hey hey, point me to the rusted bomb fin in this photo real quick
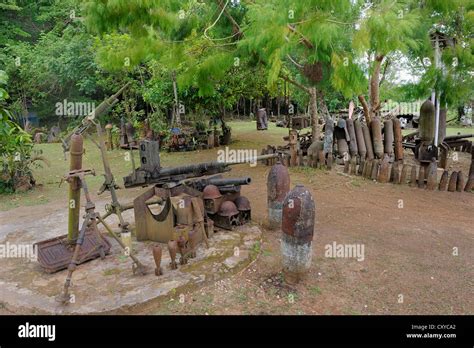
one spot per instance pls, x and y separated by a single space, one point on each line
453 180
278 185
443 183
297 233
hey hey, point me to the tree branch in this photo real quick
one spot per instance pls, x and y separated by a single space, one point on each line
293 82
304 40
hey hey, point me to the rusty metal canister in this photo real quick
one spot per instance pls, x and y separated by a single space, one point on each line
397 139
453 180
460 182
362 149
426 126
432 179
297 226
388 137
368 142
443 183
278 185
376 129
353 148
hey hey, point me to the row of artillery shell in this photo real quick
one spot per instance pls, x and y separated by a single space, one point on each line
424 177
369 143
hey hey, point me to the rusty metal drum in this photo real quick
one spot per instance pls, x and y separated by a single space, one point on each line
298 218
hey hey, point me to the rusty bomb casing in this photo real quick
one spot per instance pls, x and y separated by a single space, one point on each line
397 139
460 182
361 148
404 174
427 122
353 148
443 183
384 171
413 176
376 129
278 185
173 250
432 179
157 253
368 142
453 180
298 218
388 137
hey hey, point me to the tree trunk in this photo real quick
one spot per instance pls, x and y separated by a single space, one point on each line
313 111
374 87
176 116
365 106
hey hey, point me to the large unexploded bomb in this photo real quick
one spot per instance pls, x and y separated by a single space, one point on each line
375 169
426 128
443 183
421 176
376 128
353 148
453 180
278 185
362 149
388 137
368 142
341 134
173 250
397 139
76 151
395 174
432 179
297 233
460 182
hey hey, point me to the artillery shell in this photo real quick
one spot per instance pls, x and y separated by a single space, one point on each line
297 233
395 174
368 142
453 180
376 129
404 174
397 138
469 184
353 148
460 182
413 176
427 122
360 170
384 172
173 250
388 137
375 169
443 183
432 180
278 185
353 169
421 176
361 147
346 166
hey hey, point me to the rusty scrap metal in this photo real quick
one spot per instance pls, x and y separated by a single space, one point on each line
376 129
453 180
361 147
388 137
157 253
368 142
404 174
413 176
173 250
421 176
384 171
443 183
397 138
353 147
460 182
298 219
432 179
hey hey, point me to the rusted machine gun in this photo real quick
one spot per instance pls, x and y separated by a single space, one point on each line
192 200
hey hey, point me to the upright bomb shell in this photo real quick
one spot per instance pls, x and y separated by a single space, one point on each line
388 137
353 148
376 129
443 183
397 139
362 149
368 142
460 182
427 122
432 180
278 185
297 233
453 180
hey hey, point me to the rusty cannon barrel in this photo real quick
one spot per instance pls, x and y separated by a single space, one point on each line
76 151
388 137
230 181
376 129
278 185
297 233
353 148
